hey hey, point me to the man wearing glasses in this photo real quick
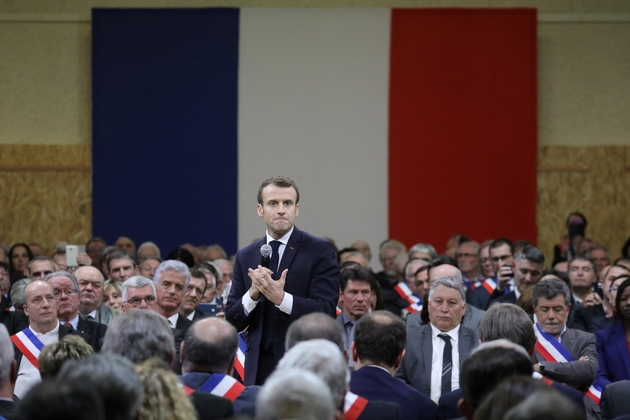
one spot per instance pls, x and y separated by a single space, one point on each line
138 293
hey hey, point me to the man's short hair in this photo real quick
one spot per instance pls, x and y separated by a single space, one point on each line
531 254
583 258
510 322
549 289
198 274
356 273
417 260
391 244
380 337
216 355
547 404
279 181
486 368
315 325
599 247
136 282
442 260
474 244
451 283
324 359
423 248
119 254
113 377
294 394
557 273
500 242
6 356
53 356
172 265
64 274
140 335
150 245
40 258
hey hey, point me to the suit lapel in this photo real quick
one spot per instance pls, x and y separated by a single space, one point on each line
463 347
290 250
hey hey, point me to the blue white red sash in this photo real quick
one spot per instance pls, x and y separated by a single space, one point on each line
337 311
490 284
472 285
29 345
415 303
353 406
239 365
222 386
553 351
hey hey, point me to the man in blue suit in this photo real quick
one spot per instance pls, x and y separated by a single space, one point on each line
302 277
378 349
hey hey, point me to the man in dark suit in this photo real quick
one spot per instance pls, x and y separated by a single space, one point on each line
171 281
378 348
8 374
527 269
208 355
303 277
67 292
196 288
435 351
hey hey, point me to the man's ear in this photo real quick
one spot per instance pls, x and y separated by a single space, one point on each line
13 372
181 353
465 409
230 371
25 310
399 359
259 210
354 352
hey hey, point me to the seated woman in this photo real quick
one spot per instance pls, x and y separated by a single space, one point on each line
613 343
112 294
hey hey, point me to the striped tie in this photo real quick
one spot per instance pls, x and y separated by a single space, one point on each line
447 363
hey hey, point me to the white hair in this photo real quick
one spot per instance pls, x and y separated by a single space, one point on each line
172 265
151 245
136 282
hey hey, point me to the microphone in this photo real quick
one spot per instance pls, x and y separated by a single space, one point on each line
265 252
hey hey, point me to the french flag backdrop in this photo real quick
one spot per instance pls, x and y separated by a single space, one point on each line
406 123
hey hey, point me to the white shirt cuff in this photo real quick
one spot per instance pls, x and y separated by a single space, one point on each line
286 305
249 304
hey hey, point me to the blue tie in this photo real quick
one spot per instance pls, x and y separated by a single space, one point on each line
275 259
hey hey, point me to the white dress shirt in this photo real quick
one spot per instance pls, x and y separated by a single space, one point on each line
436 361
28 375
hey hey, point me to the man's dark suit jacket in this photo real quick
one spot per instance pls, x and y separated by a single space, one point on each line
313 280
183 324
479 298
211 407
498 298
416 365
93 332
584 315
198 315
6 409
195 380
373 383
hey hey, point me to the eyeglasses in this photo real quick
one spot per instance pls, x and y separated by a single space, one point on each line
135 301
67 292
465 255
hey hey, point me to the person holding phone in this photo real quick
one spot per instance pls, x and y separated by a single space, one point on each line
570 243
526 270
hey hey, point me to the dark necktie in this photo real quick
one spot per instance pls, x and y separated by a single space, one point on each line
69 325
447 363
275 259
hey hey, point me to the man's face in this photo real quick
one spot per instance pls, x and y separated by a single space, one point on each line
146 252
227 271
66 296
467 259
137 299
410 278
526 273
611 275
422 283
41 307
486 264
601 259
40 269
147 268
279 209
446 308
500 256
36 250
91 285
126 244
5 282
363 248
581 273
211 291
61 261
193 294
552 314
170 290
389 256
94 250
121 269
356 299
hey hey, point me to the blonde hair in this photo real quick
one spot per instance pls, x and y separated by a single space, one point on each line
164 398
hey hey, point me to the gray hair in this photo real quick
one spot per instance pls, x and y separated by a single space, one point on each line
424 248
136 282
140 335
294 394
503 343
551 288
530 253
416 260
451 283
206 270
315 325
113 377
17 292
40 258
64 274
510 322
6 355
474 244
152 245
172 265
323 358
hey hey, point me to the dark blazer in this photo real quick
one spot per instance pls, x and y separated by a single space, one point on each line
614 359
94 332
584 314
471 318
479 298
195 380
15 321
577 372
615 401
509 298
211 407
6 409
313 280
373 383
198 315
416 365
183 324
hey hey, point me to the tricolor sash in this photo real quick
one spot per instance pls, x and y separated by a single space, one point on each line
353 406
222 386
553 351
489 284
29 345
337 311
415 303
239 365
471 285
188 390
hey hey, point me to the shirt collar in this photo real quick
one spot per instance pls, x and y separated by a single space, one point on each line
284 240
173 319
51 332
454 333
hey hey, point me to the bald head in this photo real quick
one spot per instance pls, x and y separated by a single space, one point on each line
90 282
40 306
210 346
444 270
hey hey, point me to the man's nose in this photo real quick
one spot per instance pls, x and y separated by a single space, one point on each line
143 303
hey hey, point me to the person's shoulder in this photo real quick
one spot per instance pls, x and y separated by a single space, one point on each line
584 335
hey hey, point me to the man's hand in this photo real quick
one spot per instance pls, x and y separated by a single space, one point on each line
272 289
84 259
254 291
505 274
592 299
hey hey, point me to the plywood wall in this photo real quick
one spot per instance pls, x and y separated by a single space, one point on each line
45 194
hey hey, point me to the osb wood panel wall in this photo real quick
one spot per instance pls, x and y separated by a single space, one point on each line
594 180
46 194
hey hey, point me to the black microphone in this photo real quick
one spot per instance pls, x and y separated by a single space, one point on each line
265 252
